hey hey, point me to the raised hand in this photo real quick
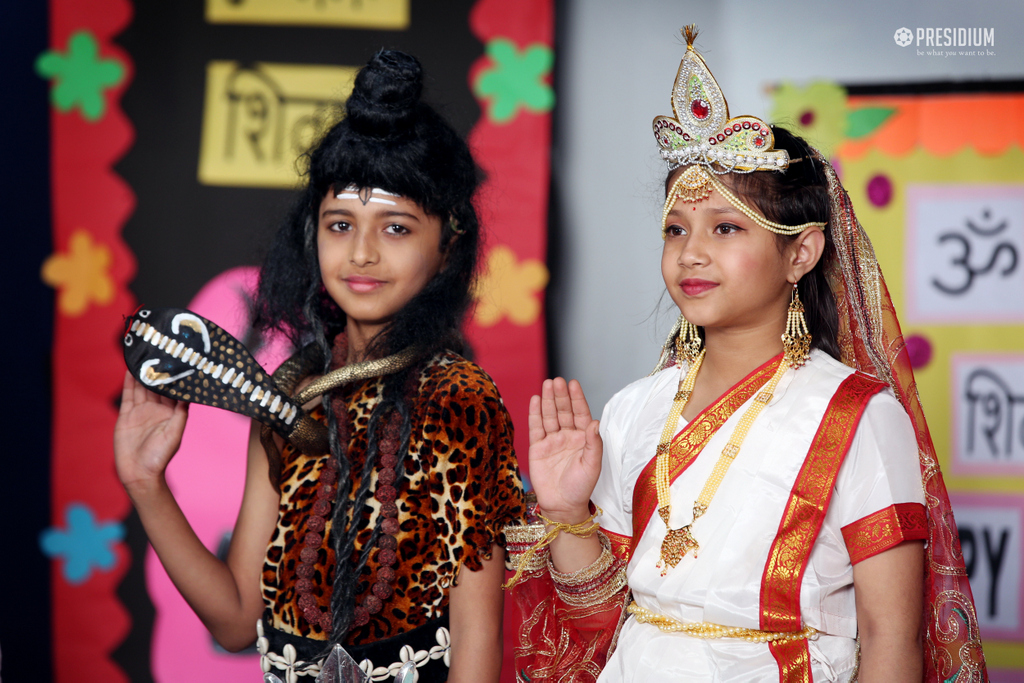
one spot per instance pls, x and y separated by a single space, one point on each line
565 450
147 434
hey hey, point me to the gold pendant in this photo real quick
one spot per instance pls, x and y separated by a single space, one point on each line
677 543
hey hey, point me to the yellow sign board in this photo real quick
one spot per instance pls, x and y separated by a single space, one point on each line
259 119
377 14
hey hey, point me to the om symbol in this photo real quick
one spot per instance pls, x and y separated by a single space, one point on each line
963 260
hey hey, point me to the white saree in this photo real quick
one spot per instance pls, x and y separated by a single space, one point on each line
724 585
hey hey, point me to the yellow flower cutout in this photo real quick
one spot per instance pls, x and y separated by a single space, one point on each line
81 274
509 288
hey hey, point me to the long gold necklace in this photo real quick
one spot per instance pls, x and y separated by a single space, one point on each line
678 542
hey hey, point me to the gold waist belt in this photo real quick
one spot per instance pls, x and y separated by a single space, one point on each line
705 629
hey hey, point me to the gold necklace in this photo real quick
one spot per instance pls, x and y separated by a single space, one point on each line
678 542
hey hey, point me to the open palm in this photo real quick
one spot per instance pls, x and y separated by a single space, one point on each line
565 450
148 432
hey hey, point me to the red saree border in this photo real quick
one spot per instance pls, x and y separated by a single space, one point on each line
690 441
885 529
794 660
803 516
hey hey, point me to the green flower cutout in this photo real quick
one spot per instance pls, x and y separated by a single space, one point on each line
80 76
516 80
818 113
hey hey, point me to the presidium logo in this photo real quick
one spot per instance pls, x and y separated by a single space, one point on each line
904 36
948 37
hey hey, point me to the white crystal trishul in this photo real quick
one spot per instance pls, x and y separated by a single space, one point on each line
339 667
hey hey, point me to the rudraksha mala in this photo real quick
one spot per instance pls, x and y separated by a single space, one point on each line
386 494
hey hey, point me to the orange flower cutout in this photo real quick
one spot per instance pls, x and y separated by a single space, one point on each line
81 274
509 288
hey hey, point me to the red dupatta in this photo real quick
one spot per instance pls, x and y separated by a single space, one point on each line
872 342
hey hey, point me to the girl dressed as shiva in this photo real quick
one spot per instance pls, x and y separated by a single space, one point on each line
767 504
378 526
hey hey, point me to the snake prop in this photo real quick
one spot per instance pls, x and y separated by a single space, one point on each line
179 354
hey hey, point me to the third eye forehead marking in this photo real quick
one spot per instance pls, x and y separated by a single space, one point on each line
367 194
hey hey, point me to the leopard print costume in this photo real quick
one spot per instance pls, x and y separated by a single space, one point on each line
461 487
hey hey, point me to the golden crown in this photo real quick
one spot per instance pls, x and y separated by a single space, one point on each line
702 132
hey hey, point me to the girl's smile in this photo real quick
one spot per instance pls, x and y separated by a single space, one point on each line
693 286
362 284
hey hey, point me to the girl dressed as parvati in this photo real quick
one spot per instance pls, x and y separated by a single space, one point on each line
766 505
387 540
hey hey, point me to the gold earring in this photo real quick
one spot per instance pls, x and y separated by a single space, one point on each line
688 341
796 341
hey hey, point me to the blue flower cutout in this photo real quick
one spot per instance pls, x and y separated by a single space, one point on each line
84 544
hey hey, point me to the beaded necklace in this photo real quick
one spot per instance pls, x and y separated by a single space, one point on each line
679 542
386 494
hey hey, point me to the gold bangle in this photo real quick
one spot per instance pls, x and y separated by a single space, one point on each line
588 573
519 539
594 584
583 529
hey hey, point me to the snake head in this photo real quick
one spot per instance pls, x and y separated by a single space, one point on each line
179 354
165 347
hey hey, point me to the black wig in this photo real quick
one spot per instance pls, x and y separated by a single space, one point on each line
389 139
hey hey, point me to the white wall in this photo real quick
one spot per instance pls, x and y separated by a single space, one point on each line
617 63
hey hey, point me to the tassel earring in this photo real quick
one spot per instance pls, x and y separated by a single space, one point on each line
688 341
796 341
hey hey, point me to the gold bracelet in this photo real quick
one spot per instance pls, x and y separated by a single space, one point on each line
584 529
519 538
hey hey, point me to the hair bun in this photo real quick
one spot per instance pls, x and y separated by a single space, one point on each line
385 94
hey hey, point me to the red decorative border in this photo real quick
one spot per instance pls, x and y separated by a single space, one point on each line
885 529
794 660
513 205
513 208
87 365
